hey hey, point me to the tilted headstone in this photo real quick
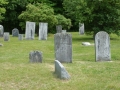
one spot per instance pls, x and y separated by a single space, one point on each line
20 37
63 47
102 46
60 71
43 29
15 32
6 36
30 30
81 28
59 28
35 56
1 31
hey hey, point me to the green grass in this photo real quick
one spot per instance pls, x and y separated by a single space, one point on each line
16 73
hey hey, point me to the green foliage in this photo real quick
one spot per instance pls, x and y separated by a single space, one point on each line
2 9
39 13
66 23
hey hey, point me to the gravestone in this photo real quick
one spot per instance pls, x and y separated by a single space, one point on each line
35 56
63 31
60 71
63 47
20 37
6 36
30 30
81 28
15 32
1 31
43 28
59 28
102 46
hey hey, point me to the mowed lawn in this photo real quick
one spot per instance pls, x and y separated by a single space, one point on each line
16 73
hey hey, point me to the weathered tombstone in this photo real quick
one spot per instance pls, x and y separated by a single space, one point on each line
35 56
63 31
15 32
6 36
63 47
81 28
20 37
102 46
59 28
1 31
30 30
60 71
43 28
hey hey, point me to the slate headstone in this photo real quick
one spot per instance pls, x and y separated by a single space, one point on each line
102 46
6 36
1 31
59 28
15 32
63 47
43 29
30 30
35 56
81 28
60 71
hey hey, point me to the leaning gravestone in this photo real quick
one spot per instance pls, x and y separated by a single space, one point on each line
30 30
1 31
81 28
60 71
35 56
43 28
63 47
15 32
59 28
102 46
6 36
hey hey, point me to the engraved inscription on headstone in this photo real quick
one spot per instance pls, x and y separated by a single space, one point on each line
6 36
30 30
1 31
63 47
59 28
43 28
35 56
102 46
81 28
15 32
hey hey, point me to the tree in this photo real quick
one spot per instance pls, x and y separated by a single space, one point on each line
39 12
2 9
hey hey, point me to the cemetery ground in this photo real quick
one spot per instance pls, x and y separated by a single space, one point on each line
17 73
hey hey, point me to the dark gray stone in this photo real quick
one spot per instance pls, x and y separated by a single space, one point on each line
30 30
1 31
20 37
63 47
60 71
59 28
43 28
35 56
15 32
102 46
6 36
81 28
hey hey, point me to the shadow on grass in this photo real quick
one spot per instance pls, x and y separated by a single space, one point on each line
82 39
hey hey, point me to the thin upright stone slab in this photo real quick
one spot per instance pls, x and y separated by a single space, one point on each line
30 30
59 28
63 47
15 32
43 29
20 37
35 57
60 71
6 36
81 28
1 31
102 46
63 31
